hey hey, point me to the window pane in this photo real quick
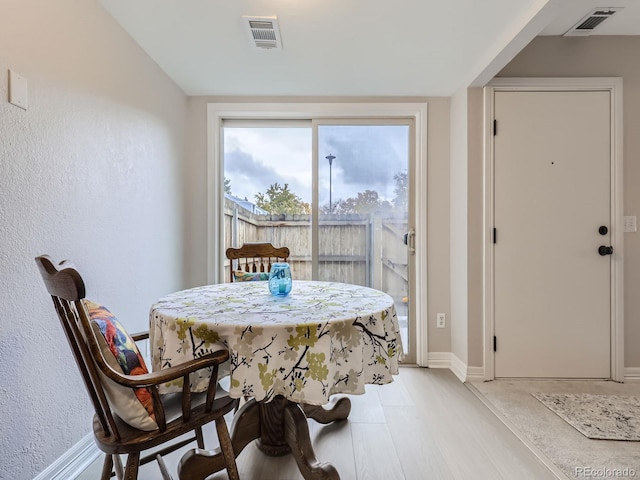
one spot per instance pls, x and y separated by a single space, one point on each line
363 201
268 182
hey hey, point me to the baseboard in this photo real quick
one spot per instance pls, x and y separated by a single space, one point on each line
458 367
73 462
632 374
448 360
475 374
439 360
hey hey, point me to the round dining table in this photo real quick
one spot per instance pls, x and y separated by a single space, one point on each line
288 355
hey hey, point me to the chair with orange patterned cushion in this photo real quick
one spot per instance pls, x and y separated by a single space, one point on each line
254 260
131 416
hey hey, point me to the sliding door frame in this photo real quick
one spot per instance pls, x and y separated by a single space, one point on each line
417 112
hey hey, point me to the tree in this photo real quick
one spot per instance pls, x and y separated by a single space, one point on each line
401 191
365 202
279 199
227 186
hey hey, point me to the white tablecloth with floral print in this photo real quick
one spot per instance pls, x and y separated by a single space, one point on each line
323 338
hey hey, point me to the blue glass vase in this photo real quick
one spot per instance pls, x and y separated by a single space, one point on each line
280 282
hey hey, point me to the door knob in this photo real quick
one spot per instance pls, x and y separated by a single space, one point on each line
603 250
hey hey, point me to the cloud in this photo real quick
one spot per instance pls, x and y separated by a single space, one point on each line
249 176
367 157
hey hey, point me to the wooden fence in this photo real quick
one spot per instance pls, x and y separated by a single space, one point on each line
360 249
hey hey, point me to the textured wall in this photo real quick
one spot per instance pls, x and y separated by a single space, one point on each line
92 172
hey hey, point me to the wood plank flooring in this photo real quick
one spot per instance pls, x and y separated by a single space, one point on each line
424 425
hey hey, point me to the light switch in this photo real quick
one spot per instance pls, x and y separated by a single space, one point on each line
17 90
630 224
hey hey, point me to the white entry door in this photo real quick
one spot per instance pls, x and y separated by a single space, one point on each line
552 290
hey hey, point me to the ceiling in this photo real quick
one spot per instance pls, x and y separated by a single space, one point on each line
349 47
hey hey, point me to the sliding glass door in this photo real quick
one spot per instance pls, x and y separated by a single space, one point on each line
363 208
335 192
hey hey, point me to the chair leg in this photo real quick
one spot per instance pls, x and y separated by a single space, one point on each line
107 467
227 448
131 470
199 437
163 468
117 465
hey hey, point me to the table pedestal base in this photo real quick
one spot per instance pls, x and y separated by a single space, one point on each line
280 427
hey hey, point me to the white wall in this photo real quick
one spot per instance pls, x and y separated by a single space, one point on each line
439 223
475 225
458 211
91 172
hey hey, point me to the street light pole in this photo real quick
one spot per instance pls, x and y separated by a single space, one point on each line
330 158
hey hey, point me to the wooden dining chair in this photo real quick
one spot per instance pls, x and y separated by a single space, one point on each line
131 416
254 258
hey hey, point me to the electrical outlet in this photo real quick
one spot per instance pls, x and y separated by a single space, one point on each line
440 320
630 224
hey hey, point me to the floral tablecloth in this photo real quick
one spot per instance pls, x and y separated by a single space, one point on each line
321 339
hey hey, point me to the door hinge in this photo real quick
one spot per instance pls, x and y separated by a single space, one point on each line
495 235
495 127
495 343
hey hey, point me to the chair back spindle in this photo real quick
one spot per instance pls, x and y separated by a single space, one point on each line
67 290
258 257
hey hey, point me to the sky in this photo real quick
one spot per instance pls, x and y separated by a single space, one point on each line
366 158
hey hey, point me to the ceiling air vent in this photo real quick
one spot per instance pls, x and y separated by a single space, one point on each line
588 24
263 32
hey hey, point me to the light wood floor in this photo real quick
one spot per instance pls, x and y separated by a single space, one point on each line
425 425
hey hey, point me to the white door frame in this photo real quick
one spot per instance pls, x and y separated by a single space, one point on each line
614 86
217 112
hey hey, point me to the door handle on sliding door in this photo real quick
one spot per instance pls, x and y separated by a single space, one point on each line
409 239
